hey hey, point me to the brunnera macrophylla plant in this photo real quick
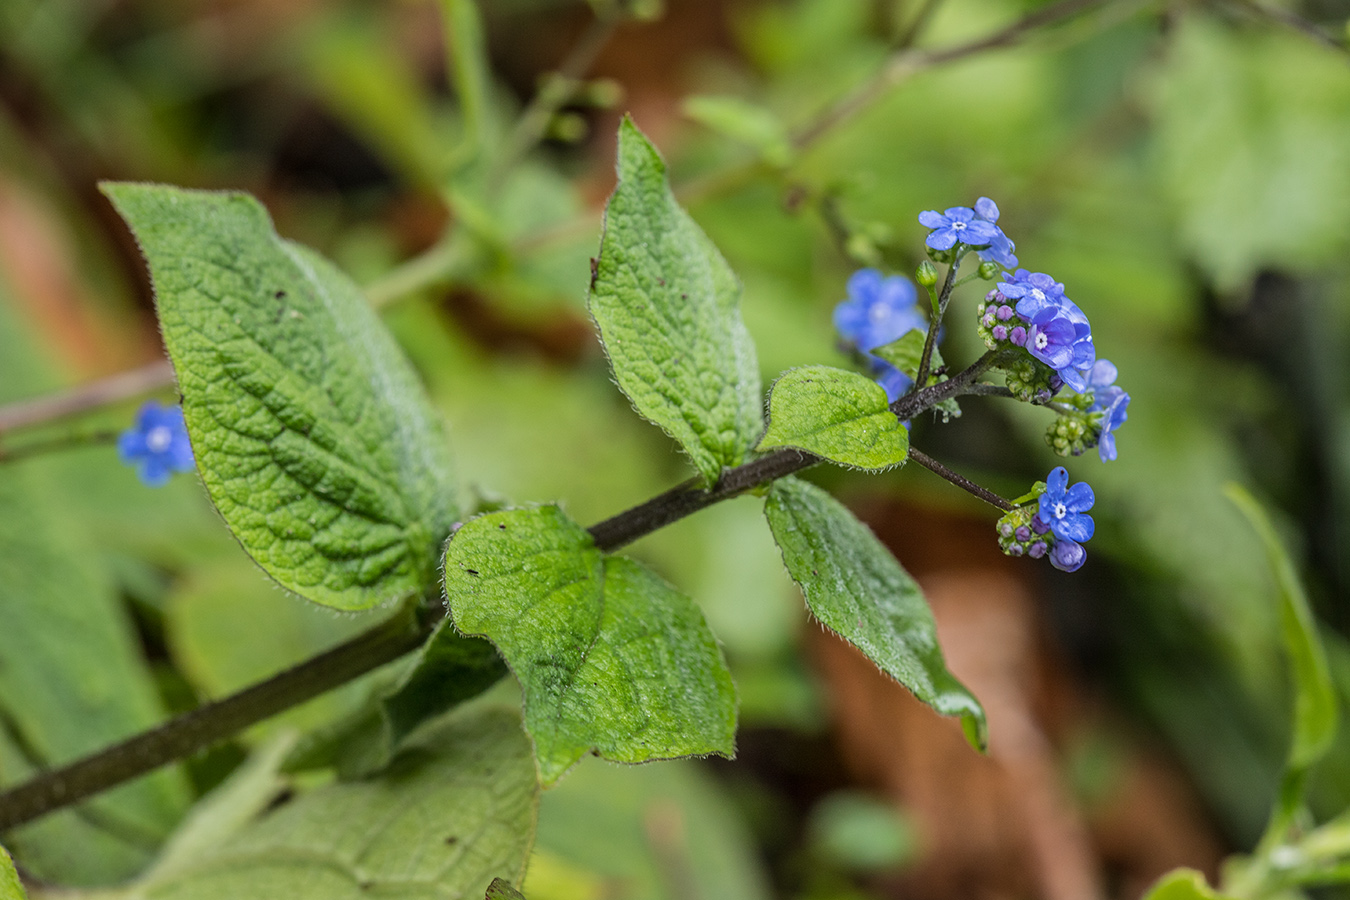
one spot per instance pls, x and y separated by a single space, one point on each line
325 459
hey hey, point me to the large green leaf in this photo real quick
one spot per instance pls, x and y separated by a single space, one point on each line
856 588
668 309
311 431
839 415
456 809
608 655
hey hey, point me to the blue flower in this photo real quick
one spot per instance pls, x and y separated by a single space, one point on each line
891 379
1051 338
1000 249
1065 508
878 310
1067 556
1113 402
1033 291
1102 376
157 444
956 225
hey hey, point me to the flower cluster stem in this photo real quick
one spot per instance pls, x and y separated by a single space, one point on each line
925 361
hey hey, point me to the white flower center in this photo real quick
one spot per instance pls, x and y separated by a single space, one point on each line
958 226
878 313
1042 341
1037 294
158 439
1060 511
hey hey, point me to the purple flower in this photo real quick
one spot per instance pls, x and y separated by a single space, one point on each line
1065 508
157 444
1067 556
1051 338
1000 249
878 310
956 225
891 379
1112 402
1033 291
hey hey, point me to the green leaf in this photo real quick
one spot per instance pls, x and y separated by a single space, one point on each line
10 886
311 431
667 306
608 655
839 415
906 352
1182 884
448 670
855 587
745 122
454 811
1315 712
72 676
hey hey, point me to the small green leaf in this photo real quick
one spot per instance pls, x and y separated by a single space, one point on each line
906 352
667 305
454 811
10 886
1315 712
855 587
839 415
311 431
1182 884
608 655
745 122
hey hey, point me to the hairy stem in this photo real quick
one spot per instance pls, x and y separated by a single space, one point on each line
959 480
193 731
930 340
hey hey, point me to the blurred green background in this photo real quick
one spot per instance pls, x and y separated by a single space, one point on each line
1183 168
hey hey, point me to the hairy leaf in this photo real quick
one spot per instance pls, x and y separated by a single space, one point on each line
10 886
668 310
500 889
311 431
857 589
608 655
839 415
456 809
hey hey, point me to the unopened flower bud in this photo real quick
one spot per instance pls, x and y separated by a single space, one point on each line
989 270
927 274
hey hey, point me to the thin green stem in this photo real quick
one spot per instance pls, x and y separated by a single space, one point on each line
930 340
60 442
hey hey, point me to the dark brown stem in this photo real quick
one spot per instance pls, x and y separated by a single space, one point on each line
930 340
113 389
960 481
204 726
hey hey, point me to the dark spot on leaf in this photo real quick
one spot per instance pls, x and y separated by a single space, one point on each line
280 295
814 572
472 571
661 281
684 296
452 840
501 526
595 270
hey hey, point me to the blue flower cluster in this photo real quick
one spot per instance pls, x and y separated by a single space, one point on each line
878 311
972 227
157 444
1057 526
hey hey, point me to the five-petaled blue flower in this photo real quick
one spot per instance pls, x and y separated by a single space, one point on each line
879 310
1000 249
957 225
157 444
1033 291
1065 508
1113 402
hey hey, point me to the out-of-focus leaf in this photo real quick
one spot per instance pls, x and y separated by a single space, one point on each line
1315 711
608 655
861 833
1254 147
310 429
745 122
455 810
836 414
856 588
1182 884
667 306
72 679
906 353
661 832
